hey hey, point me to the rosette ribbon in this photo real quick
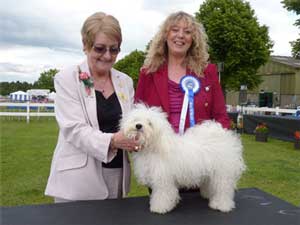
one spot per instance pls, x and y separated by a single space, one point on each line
190 85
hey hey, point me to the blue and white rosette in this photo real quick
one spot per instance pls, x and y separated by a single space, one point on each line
190 85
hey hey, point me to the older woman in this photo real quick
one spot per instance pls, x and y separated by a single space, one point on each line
178 49
90 160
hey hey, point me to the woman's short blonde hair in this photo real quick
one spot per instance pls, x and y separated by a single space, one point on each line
100 22
197 56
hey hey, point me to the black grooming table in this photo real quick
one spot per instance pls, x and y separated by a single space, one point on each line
254 207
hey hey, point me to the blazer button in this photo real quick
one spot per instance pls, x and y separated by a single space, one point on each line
205 104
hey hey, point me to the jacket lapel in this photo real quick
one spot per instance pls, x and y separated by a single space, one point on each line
161 84
120 89
89 99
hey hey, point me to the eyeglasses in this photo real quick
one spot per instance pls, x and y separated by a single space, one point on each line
102 49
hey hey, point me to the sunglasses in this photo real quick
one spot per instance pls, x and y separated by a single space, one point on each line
102 49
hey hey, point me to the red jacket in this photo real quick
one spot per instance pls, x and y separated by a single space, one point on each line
209 103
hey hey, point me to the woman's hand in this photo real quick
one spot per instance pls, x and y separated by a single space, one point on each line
118 140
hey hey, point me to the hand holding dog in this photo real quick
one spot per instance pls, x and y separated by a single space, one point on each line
120 141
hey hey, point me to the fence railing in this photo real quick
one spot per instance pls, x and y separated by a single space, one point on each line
29 109
26 109
260 110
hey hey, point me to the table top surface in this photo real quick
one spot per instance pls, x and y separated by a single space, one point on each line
253 206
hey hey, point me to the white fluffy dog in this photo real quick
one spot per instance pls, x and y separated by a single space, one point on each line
206 156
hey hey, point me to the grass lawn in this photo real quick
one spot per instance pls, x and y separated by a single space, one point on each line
273 167
26 153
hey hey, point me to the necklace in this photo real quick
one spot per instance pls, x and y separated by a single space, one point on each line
101 84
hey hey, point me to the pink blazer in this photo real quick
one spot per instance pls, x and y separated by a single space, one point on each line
152 89
76 169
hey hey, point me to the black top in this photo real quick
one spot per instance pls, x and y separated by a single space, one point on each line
109 113
253 207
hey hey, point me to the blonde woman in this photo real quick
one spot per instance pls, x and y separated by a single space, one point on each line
90 160
178 49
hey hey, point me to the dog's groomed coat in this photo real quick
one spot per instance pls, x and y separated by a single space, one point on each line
206 156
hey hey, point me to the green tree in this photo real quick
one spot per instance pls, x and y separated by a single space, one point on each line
131 64
4 88
296 48
237 39
294 5
45 80
8 87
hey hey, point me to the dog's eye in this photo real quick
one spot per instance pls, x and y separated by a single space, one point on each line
150 124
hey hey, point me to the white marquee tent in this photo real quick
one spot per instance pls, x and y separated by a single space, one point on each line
38 92
51 96
19 96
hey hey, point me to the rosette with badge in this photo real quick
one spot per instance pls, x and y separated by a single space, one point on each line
190 85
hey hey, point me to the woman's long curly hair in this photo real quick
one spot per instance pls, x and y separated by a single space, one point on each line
197 56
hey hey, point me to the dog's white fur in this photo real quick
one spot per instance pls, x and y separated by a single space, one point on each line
206 156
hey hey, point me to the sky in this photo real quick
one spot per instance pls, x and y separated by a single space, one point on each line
38 35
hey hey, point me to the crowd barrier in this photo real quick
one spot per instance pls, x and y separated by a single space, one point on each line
26 109
30 109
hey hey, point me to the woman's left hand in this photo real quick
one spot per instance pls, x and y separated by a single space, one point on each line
120 141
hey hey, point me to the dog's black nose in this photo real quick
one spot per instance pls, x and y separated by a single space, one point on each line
138 126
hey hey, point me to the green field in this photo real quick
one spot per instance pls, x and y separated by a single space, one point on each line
26 153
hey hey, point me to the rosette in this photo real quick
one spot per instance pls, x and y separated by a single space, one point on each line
190 85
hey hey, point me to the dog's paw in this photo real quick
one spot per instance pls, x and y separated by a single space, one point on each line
223 206
163 203
204 193
161 209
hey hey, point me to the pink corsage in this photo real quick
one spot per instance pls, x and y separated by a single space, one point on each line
87 81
